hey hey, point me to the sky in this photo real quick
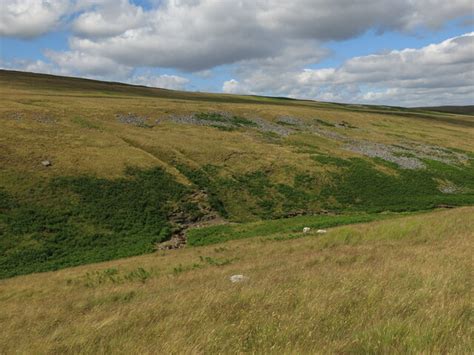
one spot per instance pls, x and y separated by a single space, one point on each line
402 53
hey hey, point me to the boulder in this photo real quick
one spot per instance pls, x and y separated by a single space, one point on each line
238 278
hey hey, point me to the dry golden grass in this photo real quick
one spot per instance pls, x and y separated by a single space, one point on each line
394 286
87 139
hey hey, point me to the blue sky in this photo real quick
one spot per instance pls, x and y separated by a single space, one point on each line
316 49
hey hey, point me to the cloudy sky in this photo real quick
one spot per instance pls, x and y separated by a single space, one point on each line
404 52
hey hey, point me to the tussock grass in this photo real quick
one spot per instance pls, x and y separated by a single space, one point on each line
392 286
244 174
223 233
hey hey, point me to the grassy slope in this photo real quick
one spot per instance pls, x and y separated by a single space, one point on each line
393 286
78 210
463 110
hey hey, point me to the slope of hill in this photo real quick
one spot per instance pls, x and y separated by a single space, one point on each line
93 171
462 110
393 286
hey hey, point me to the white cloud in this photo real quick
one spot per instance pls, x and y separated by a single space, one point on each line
36 66
110 19
78 63
196 35
188 35
73 66
441 73
232 86
173 82
30 18
269 42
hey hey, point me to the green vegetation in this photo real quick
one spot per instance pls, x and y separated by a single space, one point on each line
114 190
355 185
201 178
394 286
323 122
219 117
84 123
328 160
361 187
223 233
263 198
87 219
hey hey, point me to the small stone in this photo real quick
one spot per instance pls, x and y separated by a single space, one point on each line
238 278
46 163
306 229
321 231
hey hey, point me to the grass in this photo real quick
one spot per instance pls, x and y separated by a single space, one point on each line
362 187
115 189
84 123
399 285
95 220
223 233
353 185
218 117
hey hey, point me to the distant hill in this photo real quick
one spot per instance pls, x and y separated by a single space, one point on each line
93 171
461 110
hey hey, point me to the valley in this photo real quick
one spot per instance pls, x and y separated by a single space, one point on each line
129 167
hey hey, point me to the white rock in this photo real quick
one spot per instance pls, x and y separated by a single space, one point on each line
306 229
321 231
238 278
46 163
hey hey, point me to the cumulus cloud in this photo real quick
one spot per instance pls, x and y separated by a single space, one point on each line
77 63
268 42
439 71
232 86
31 18
187 35
165 81
275 72
34 66
195 35
173 82
442 73
110 19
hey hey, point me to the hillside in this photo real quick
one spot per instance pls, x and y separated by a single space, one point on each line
463 110
93 171
402 285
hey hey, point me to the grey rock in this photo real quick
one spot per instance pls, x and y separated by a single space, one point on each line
238 278
132 119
